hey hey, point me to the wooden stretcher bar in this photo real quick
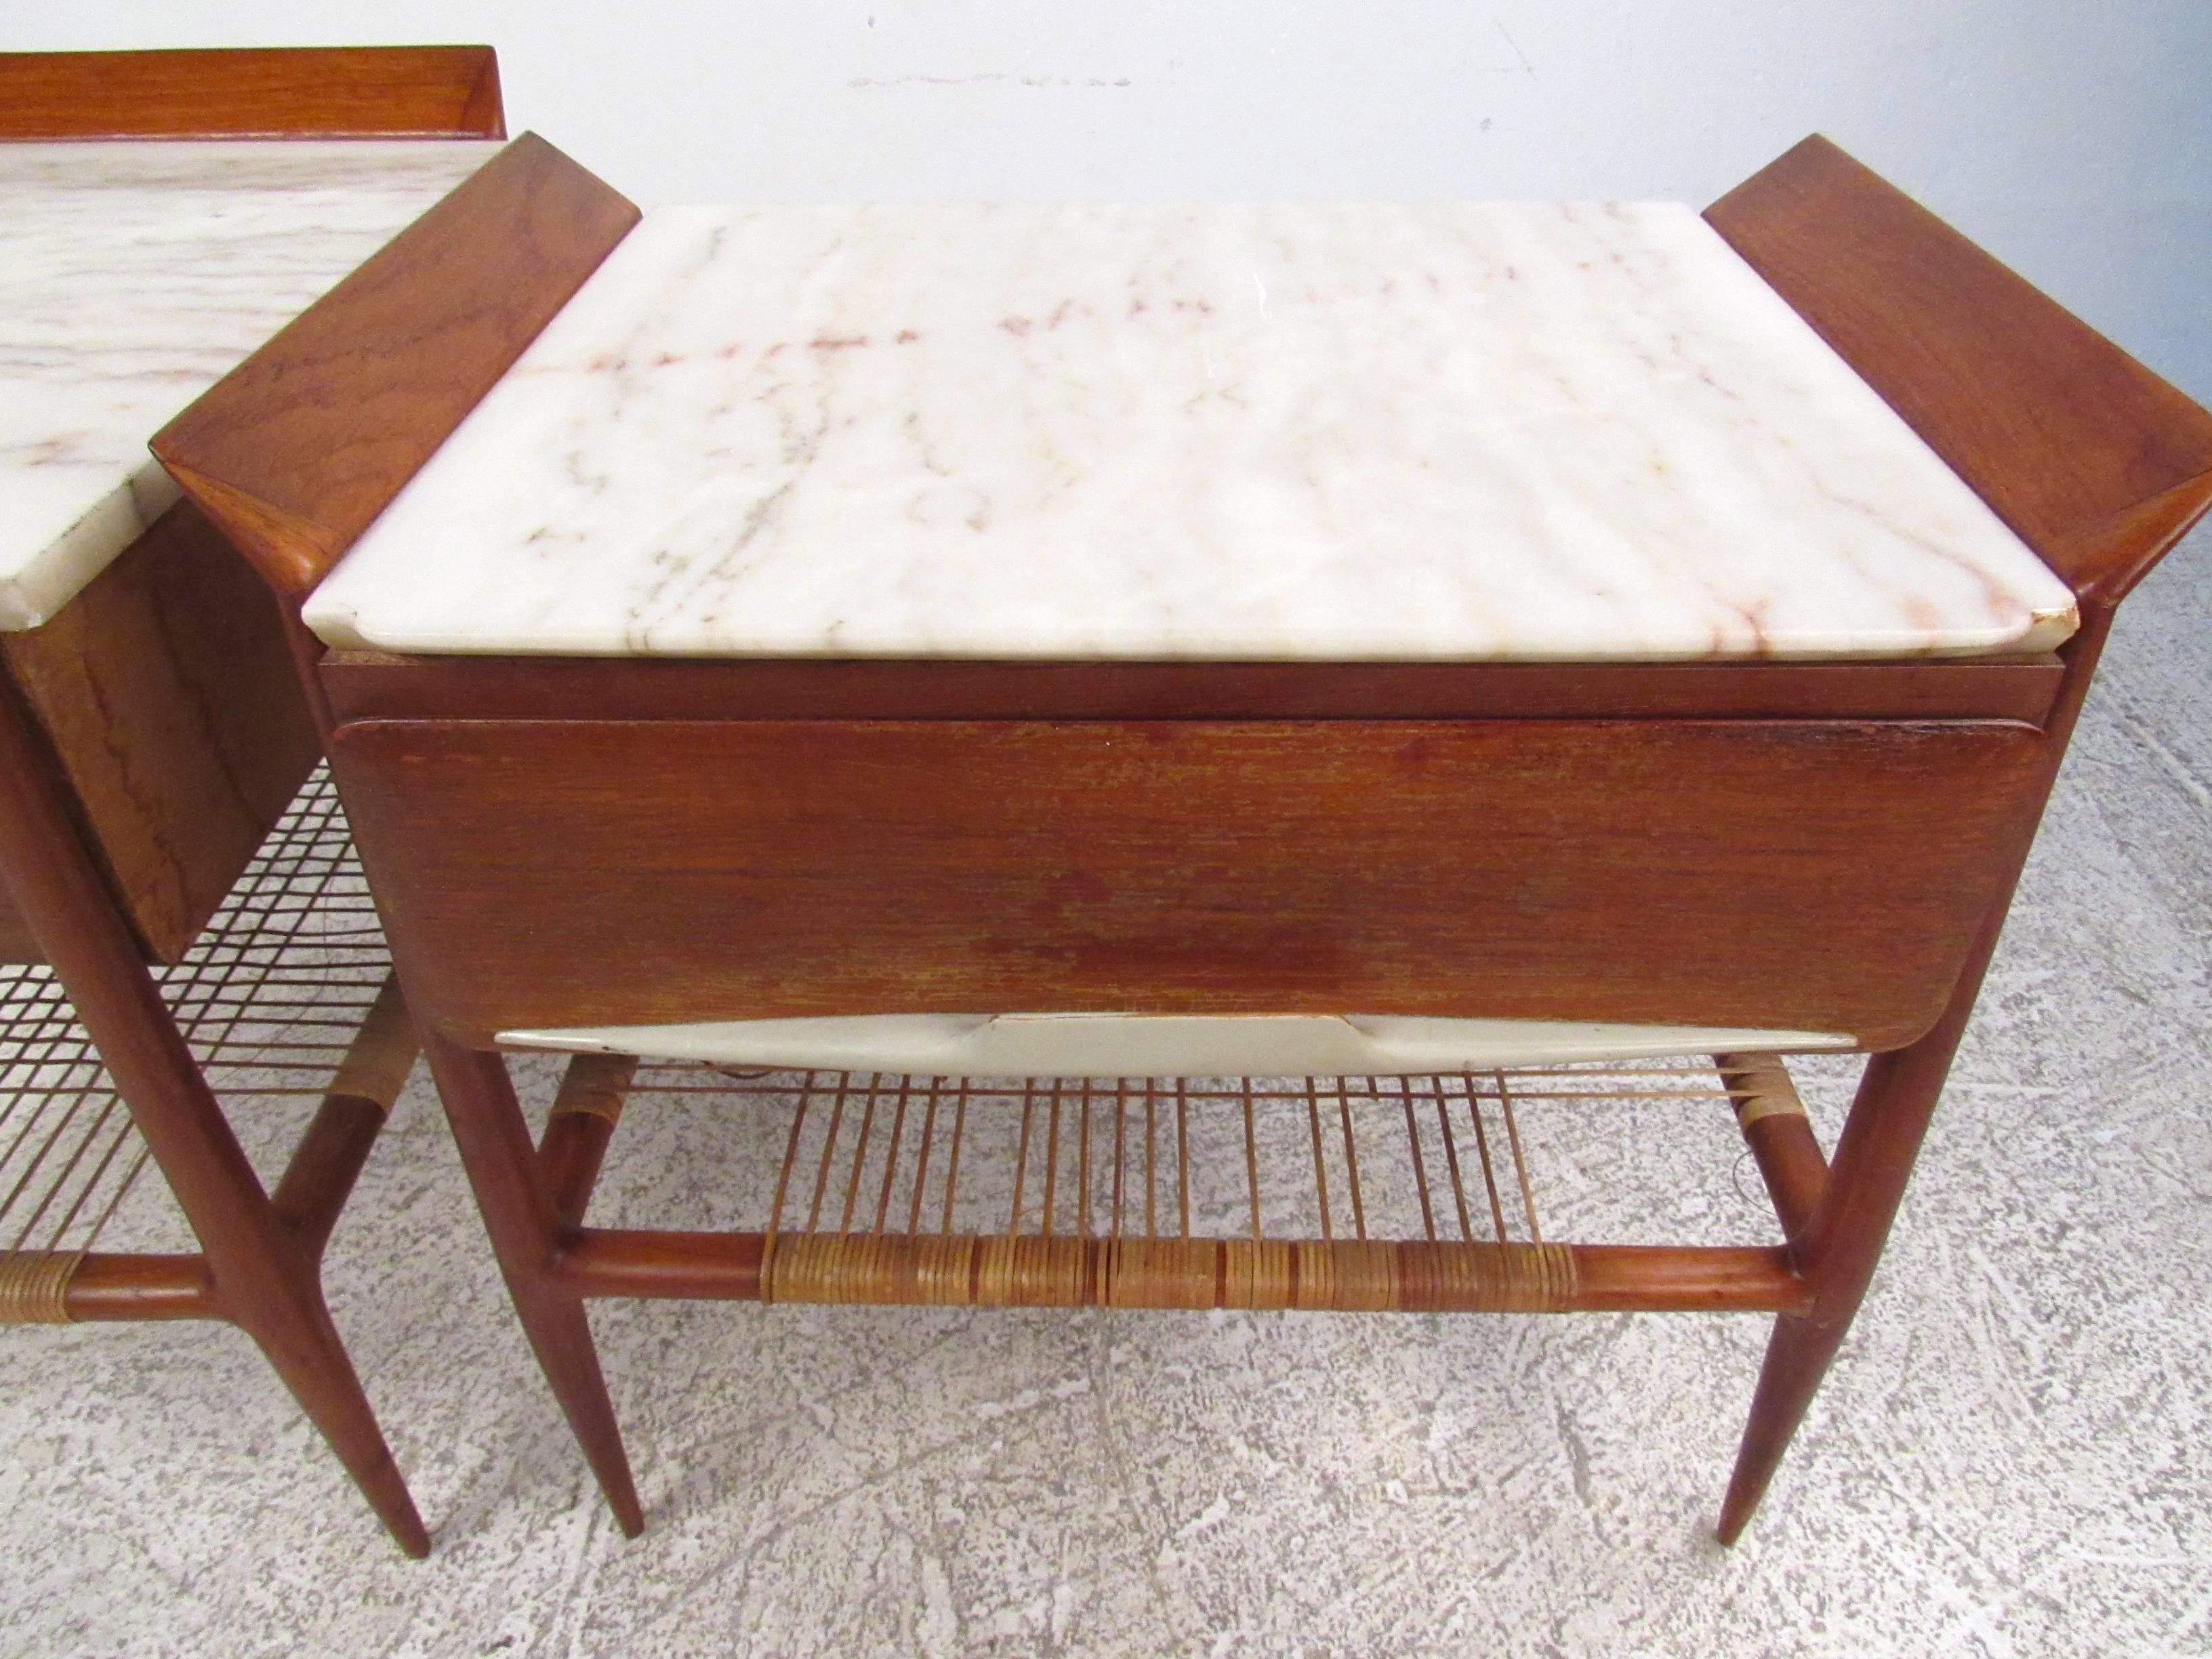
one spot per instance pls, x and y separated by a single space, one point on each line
1099 1210
289 986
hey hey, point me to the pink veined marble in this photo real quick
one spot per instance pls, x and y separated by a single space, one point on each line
1469 431
135 276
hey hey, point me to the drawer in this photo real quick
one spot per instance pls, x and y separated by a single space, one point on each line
1814 875
168 696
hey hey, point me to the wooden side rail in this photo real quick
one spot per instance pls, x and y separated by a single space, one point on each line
133 1287
580 1126
66 1287
282 92
1409 1276
379 686
1775 1128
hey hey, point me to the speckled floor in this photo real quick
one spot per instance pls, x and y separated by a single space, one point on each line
2010 1458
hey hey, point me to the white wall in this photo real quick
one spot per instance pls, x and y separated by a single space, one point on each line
2073 140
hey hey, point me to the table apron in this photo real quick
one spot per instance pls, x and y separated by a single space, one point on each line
1814 875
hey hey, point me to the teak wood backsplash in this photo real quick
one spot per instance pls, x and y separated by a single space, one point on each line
284 92
301 446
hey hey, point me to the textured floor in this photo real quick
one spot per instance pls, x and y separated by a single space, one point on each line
2010 1459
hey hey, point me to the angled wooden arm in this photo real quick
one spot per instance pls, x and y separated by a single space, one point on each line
295 451
288 92
2095 462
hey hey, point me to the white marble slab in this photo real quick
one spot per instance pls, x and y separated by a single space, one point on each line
134 275
1469 431
1159 1045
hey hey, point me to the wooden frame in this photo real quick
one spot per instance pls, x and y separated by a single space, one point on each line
1191 867
165 693
276 92
496 800
150 735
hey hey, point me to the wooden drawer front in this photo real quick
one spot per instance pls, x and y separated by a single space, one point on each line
16 943
168 696
1813 875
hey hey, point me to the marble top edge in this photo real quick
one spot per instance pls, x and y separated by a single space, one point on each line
341 631
129 163
133 275
1263 432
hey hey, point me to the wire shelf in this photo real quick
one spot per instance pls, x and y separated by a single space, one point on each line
1327 1192
268 998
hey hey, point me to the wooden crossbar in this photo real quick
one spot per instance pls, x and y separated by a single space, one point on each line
1780 1136
287 992
1177 1193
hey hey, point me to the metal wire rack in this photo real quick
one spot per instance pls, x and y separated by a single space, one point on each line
268 998
1327 1192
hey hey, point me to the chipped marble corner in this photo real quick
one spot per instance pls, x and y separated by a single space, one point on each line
34 595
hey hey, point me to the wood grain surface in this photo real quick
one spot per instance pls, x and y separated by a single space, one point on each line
168 695
284 92
17 942
1813 875
300 446
2096 463
365 685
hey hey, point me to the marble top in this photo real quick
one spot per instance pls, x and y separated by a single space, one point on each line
1471 431
133 276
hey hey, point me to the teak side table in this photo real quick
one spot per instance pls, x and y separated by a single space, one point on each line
598 849
152 733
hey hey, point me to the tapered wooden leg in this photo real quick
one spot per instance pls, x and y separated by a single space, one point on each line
305 1347
1873 1161
1874 1156
1797 1356
264 1274
518 1211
